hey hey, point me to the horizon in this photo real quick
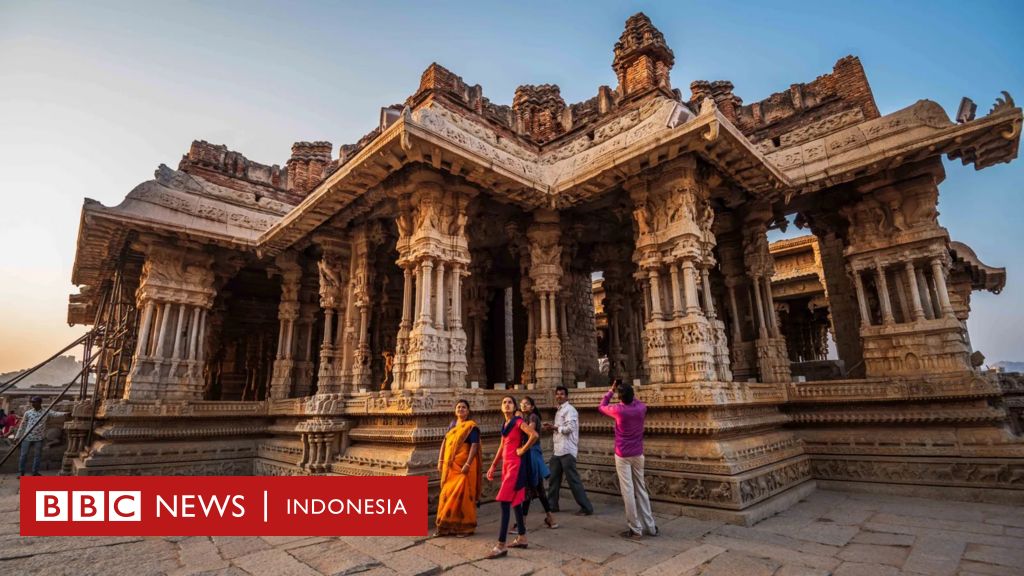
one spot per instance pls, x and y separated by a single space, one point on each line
99 95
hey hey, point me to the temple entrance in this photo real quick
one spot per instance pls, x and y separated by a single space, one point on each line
605 305
243 337
495 306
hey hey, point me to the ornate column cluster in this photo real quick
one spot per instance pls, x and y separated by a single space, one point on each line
673 215
545 274
175 295
898 259
283 373
434 255
772 356
356 341
334 269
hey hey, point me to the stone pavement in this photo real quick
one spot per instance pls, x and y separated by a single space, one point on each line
838 533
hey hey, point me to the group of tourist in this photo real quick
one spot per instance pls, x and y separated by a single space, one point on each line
523 469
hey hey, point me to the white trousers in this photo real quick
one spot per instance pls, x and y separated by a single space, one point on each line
634 494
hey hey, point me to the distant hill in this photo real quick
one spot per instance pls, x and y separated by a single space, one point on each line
59 372
1008 366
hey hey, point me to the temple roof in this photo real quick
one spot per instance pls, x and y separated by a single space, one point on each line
577 170
540 152
173 203
983 277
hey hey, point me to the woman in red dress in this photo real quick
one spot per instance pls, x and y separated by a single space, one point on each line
515 474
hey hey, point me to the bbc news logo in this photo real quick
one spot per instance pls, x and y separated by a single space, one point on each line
89 506
223 506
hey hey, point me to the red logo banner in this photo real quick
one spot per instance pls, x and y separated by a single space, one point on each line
223 506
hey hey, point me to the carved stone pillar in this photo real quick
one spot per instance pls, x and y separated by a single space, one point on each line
678 308
709 303
283 373
926 296
734 317
915 294
440 298
655 291
939 276
844 314
545 273
862 303
742 352
402 341
175 282
334 270
772 355
883 294
690 288
432 235
673 216
356 351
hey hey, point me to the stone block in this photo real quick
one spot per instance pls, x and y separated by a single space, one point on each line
779 553
890 555
996 555
685 561
828 533
935 556
200 554
335 557
273 563
234 546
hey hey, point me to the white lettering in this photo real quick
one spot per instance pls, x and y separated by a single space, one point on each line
346 506
172 509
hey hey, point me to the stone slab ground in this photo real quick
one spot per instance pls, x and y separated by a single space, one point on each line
837 533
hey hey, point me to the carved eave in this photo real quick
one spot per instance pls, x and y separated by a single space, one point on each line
915 133
709 135
983 277
418 137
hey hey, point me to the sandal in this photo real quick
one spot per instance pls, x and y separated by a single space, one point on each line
551 524
517 544
498 553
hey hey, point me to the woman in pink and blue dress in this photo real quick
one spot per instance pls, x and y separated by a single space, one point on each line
516 439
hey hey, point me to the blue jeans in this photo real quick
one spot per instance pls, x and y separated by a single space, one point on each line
26 447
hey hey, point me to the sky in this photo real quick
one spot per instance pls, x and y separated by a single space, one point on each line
95 95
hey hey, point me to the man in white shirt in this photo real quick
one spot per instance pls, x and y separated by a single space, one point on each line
566 435
33 428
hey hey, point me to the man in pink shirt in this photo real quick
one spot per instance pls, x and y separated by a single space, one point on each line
629 415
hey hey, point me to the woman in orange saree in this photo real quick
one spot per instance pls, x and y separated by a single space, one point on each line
459 466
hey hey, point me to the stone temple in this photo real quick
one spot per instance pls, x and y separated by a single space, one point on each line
323 317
